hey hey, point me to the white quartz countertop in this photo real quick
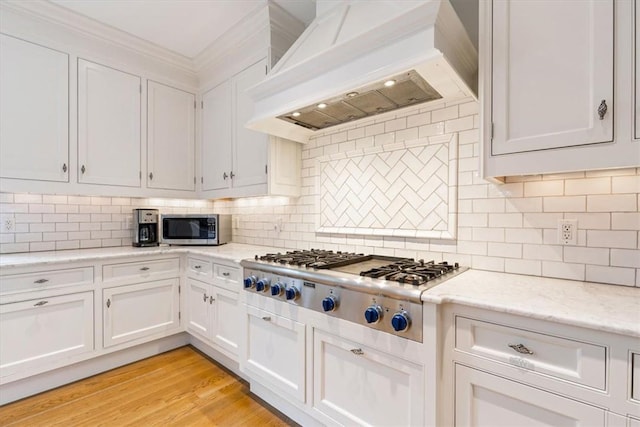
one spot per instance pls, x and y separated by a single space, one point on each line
608 308
231 251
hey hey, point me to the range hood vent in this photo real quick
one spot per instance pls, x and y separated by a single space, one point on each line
337 71
393 93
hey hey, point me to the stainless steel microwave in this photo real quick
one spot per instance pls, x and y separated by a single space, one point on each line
195 229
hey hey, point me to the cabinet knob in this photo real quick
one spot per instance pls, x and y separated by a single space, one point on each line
40 304
211 300
602 109
224 175
108 303
83 169
357 351
41 281
144 269
232 175
64 167
204 298
151 175
520 348
267 318
197 267
226 274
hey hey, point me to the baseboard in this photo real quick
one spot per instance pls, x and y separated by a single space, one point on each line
216 355
48 380
290 410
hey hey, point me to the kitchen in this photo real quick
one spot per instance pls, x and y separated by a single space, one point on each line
489 226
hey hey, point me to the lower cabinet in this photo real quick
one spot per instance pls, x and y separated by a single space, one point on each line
357 385
275 352
484 399
214 314
39 332
140 310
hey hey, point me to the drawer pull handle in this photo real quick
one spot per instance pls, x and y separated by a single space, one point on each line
211 300
602 109
267 318
226 274
40 281
357 351
204 298
520 348
108 303
197 267
40 304
144 269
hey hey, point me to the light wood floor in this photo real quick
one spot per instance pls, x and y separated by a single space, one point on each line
181 387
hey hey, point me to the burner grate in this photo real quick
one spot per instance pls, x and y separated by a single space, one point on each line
412 272
315 258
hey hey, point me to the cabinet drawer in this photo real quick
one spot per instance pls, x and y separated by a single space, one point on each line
199 269
227 274
635 376
140 269
46 279
562 358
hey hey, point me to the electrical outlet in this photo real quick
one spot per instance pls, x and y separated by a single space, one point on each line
8 224
568 231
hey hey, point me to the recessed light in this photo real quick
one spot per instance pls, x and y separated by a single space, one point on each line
296 114
322 105
389 83
352 94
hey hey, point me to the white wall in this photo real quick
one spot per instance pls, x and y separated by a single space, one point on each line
509 227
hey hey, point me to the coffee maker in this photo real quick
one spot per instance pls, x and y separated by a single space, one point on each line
145 227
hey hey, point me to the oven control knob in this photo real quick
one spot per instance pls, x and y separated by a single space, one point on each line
292 293
373 314
330 303
262 285
249 282
400 321
276 289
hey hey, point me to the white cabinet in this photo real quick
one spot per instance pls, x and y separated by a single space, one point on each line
170 138
358 385
555 97
237 161
217 138
39 332
484 399
275 353
635 376
214 314
636 69
142 310
108 126
34 111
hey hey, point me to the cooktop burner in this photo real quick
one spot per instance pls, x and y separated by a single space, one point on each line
410 271
315 258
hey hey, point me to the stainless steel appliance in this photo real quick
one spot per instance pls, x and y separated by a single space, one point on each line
145 227
380 292
195 229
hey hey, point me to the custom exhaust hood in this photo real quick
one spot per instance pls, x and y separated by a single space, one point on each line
362 58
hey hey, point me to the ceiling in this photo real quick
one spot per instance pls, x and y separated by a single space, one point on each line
186 27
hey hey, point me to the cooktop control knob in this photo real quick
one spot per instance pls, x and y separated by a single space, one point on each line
249 282
373 314
276 289
330 303
400 321
262 285
292 293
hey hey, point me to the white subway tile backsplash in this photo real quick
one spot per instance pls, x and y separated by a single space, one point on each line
565 204
544 188
444 114
625 258
596 256
542 252
505 220
586 186
505 250
625 184
612 239
523 266
563 270
625 221
40 208
612 203
487 263
614 275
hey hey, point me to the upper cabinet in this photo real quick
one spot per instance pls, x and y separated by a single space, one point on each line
237 161
170 138
34 111
108 125
548 92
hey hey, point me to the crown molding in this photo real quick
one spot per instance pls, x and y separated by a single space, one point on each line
51 13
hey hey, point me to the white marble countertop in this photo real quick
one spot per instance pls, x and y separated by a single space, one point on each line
608 308
231 251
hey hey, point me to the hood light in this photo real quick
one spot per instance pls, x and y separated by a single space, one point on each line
352 94
322 105
296 114
389 83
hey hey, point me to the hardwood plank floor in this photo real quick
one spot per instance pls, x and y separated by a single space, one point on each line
181 387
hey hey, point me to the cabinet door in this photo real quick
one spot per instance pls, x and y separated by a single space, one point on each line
275 352
357 385
217 138
34 111
140 310
250 147
637 67
199 300
108 126
552 69
483 399
170 138
39 332
227 320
